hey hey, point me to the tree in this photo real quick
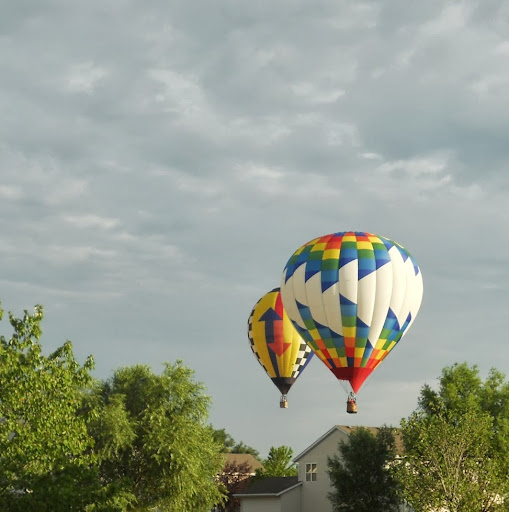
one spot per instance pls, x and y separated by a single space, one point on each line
278 463
361 473
224 439
457 444
230 445
240 447
46 460
152 440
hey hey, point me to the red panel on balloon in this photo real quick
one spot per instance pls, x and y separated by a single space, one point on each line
355 376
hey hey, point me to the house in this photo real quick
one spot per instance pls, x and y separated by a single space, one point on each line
308 491
313 469
273 494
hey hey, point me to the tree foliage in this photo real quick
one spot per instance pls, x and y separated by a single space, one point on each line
152 440
278 463
240 447
46 459
229 445
361 473
457 444
137 441
224 439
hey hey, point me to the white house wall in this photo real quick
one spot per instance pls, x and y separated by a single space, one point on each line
314 494
261 504
291 500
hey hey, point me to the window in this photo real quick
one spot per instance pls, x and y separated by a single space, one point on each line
311 472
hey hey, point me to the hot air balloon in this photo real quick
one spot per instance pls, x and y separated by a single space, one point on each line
279 348
352 296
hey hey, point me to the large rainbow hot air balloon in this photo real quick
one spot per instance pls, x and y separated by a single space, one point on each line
352 296
279 348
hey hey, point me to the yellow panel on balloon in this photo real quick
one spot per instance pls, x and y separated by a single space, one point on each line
331 254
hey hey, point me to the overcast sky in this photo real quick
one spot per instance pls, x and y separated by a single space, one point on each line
161 160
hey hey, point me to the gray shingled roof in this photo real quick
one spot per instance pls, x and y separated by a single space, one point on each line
273 485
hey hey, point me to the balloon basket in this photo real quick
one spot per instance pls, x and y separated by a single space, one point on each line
351 407
283 404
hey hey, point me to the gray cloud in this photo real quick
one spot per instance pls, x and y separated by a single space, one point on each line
162 161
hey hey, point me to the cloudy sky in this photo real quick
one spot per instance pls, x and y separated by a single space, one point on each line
161 160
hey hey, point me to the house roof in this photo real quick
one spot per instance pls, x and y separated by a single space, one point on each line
243 458
318 441
398 438
348 429
271 486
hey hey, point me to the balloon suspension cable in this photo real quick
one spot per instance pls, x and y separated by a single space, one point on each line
283 404
347 387
351 403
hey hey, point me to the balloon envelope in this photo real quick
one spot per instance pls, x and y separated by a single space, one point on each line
277 345
352 296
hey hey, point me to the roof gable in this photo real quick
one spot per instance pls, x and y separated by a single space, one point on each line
348 429
316 443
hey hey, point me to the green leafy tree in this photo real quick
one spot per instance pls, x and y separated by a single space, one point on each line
457 444
224 439
110 427
278 463
46 459
152 440
361 474
240 447
230 445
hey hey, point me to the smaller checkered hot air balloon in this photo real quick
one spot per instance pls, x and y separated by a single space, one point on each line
280 350
352 296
